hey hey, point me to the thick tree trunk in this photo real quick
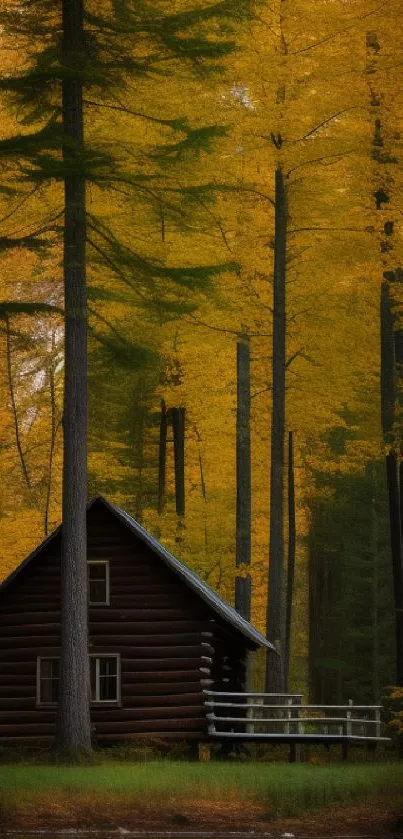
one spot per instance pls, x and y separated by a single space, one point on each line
243 479
291 558
275 618
74 727
397 564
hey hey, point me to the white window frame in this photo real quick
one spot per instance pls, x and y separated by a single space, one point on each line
97 700
39 702
107 580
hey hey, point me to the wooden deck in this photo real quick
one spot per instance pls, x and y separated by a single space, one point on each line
285 718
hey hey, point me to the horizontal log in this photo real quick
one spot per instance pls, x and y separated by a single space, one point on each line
161 688
21 619
198 736
149 601
17 690
28 739
23 600
117 623
185 712
8 609
11 702
18 680
37 613
27 654
27 728
153 587
29 638
150 726
138 665
18 641
24 668
101 620
28 716
164 701
121 635
34 587
151 653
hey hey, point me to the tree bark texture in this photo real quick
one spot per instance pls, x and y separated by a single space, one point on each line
74 727
275 617
397 564
243 478
291 557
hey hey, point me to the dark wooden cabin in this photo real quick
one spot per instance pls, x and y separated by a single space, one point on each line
159 635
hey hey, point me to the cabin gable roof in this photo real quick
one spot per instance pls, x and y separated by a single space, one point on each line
189 577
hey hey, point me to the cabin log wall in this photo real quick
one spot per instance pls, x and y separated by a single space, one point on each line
160 628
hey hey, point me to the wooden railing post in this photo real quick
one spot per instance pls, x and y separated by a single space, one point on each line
348 719
288 716
377 722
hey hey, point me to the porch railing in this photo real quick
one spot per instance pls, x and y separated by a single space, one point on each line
285 716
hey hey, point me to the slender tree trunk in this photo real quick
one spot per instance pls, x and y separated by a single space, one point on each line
375 595
74 726
141 442
397 564
291 558
388 387
162 457
275 618
14 407
178 426
53 434
243 479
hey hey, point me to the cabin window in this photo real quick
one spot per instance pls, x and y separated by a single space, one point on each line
98 583
105 678
47 681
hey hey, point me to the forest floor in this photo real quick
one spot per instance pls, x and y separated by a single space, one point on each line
379 817
185 797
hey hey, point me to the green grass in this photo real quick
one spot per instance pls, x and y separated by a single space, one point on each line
286 790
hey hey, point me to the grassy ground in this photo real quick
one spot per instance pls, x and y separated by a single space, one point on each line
30 794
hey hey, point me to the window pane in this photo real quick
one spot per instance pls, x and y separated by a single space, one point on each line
93 676
49 680
97 591
107 678
97 577
107 688
97 571
107 666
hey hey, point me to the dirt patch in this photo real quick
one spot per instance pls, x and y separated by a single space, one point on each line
381 817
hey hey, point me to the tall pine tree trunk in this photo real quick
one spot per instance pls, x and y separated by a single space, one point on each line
395 530
74 727
291 558
243 479
275 618
383 157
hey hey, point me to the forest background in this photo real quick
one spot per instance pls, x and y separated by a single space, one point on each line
313 89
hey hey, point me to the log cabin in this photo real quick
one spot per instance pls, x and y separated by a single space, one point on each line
159 636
